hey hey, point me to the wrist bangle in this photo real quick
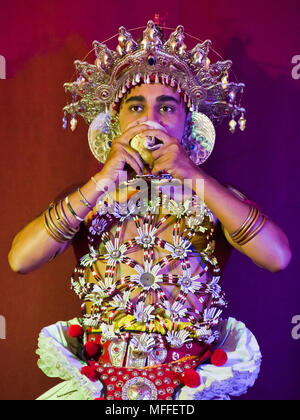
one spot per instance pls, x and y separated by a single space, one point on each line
61 233
65 225
50 233
84 200
236 234
72 210
250 225
98 185
63 213
256 231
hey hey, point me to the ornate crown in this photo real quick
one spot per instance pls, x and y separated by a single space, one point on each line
204 86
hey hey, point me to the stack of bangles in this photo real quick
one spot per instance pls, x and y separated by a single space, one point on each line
251 226
57 223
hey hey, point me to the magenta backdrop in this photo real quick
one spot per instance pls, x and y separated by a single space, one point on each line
40 40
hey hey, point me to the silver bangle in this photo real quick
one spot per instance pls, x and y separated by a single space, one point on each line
63 234
72 210
98 185
84 200
62 219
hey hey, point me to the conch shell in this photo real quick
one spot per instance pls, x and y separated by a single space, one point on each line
144 145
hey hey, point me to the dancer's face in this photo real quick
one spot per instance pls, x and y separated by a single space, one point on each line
154 102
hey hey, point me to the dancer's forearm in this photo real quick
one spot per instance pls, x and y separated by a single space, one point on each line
32 247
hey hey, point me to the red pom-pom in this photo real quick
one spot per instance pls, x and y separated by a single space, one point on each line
91 349
89 373
219 357
191 378
75 331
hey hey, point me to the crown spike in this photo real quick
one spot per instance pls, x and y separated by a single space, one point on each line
105 56
151 37
126 42
175 42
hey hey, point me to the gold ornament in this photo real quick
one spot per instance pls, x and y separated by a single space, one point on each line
102 85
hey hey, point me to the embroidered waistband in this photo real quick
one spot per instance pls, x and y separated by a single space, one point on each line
141 350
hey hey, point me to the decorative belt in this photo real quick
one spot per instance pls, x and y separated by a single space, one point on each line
120 353
143 367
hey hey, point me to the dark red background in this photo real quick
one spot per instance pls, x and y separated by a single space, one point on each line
40 41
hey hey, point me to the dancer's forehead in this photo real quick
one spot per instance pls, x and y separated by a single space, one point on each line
152 93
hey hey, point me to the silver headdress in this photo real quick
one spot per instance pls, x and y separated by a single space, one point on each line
204 86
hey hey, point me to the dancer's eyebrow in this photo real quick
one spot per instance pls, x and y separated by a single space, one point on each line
162 98
166 98
136 99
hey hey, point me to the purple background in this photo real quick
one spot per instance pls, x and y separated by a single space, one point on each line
40 40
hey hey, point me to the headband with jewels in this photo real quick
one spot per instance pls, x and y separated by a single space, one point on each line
204 86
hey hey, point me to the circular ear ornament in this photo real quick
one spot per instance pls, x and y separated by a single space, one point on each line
103 129
199 137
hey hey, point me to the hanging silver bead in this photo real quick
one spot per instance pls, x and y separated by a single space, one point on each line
242 123
65 121
73 123
232 125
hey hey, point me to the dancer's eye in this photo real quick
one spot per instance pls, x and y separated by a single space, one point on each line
166 109
136 108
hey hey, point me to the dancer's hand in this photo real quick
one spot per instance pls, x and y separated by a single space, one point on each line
121 153
171 157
